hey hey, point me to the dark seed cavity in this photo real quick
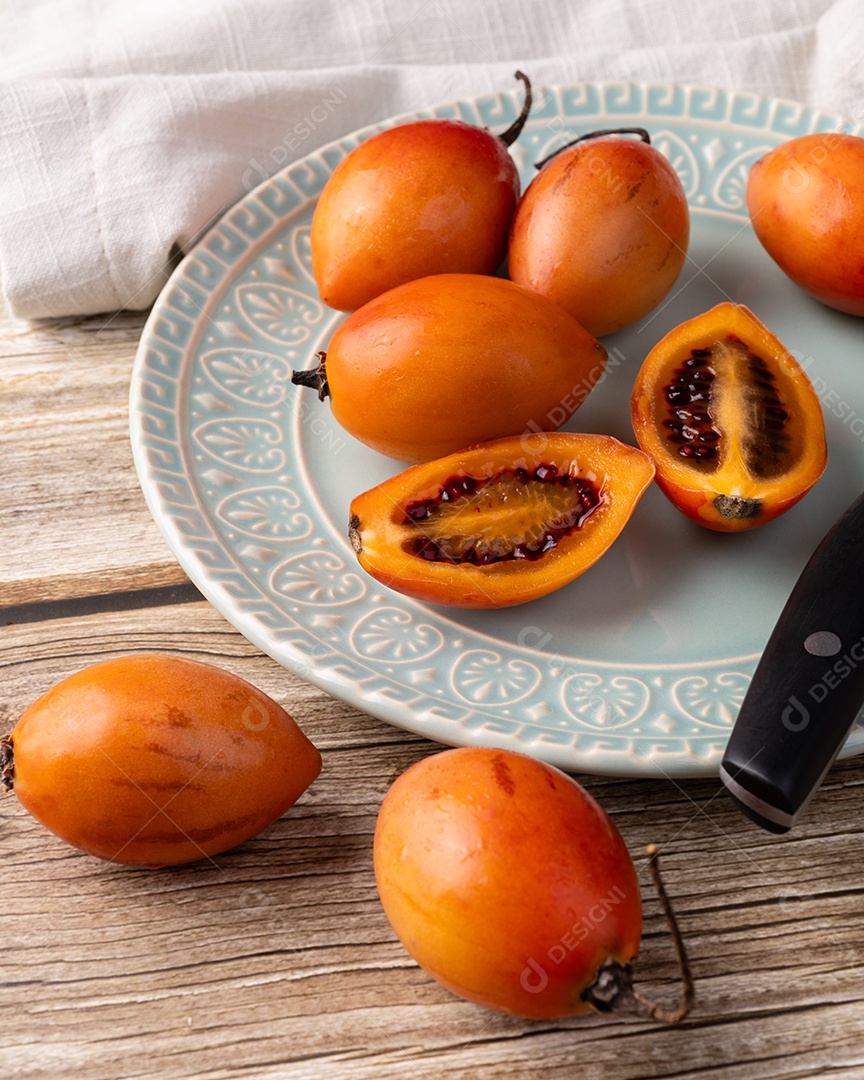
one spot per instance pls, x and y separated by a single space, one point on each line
513 514
766 446
690 424
694 414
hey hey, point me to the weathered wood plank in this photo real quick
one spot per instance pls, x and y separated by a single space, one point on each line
276 960
74 520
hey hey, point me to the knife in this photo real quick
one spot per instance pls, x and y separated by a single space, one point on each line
808 687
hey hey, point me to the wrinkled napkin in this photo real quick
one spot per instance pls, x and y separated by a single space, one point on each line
128 126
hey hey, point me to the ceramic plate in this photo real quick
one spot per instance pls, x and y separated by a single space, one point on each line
638 667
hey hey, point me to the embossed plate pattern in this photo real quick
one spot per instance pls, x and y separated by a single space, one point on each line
638 667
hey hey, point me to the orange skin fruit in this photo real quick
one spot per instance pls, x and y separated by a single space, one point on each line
381 533
603 231
153 760
805 205
694 491
445 361
428 197
505 880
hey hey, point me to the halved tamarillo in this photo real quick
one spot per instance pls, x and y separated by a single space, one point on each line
731 420
426 197
602 229
499 523
440 363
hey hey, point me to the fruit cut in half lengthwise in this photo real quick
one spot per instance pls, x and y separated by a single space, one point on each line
731 420
501 522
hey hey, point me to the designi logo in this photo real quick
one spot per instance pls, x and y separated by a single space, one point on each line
793 709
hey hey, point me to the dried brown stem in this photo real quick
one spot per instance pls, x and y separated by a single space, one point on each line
513 132
315 378
613 989
688 993
7 763
641 132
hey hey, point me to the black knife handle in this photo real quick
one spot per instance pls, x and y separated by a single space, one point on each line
808 687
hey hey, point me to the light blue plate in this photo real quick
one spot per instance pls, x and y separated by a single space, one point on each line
637 668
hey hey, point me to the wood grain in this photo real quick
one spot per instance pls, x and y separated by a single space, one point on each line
73 517
276 960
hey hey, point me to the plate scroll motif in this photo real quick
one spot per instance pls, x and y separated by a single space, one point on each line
233 468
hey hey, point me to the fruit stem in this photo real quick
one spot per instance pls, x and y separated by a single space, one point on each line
7 763
513 132
316 378
641 132
613 989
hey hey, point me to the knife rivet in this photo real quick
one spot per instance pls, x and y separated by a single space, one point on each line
823 643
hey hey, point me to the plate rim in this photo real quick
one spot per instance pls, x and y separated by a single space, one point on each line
657 764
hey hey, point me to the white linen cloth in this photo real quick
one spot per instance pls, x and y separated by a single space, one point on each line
127 126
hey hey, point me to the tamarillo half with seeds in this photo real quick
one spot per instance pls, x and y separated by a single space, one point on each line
426 197
731 420
502 522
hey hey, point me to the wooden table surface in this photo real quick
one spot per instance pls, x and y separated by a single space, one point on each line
279 961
